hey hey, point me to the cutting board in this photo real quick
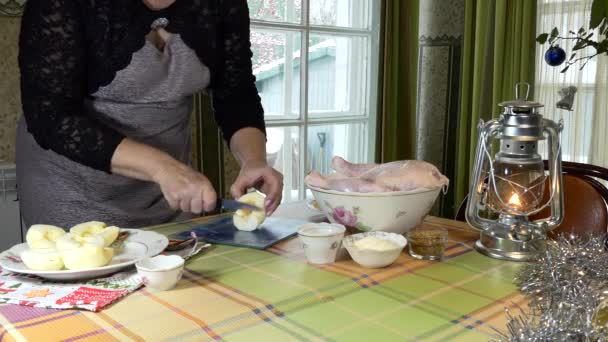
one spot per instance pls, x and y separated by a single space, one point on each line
221 231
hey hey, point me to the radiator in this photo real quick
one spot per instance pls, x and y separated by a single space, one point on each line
10 220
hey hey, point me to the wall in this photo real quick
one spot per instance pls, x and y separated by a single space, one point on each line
441 29
10 102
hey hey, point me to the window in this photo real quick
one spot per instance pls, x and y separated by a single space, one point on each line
316 67
577 136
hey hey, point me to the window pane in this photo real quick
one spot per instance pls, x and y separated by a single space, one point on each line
337 71
283 153
276 66
276 10
344 13
348 141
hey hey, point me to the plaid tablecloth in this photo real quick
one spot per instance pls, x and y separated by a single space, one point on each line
238 294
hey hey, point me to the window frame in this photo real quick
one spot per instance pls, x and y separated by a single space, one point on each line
364 99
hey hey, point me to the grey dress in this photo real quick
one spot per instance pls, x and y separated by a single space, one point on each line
149 101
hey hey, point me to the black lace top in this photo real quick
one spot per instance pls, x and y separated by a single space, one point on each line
70 48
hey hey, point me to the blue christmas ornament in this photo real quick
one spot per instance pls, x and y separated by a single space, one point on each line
555 55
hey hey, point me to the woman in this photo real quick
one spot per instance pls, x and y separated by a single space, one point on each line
107 91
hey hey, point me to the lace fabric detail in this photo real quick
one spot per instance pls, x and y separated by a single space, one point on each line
70 48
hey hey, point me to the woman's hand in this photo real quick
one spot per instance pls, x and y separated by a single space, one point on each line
183 187
260 175
249 147
186 189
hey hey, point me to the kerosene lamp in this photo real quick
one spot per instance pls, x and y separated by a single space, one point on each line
510 183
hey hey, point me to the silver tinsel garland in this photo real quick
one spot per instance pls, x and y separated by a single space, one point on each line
568 286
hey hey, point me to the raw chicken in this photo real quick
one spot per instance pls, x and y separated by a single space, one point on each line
402 175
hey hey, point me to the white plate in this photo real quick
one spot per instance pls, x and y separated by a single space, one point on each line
138 245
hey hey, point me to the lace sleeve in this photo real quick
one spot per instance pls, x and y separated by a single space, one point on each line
235 98
53 75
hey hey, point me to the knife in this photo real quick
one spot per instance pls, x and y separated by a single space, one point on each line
233 205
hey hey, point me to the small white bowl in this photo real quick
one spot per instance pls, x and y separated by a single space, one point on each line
371 258
161 272
321 241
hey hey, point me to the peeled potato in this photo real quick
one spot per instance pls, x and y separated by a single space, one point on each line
72 241
249 220
42 259
96 228
88 256
42 236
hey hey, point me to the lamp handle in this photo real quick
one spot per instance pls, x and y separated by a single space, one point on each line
486 130
517 86
553 131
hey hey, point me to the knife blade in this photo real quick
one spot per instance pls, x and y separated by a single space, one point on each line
233 205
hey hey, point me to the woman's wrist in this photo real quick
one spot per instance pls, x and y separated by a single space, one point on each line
254 162
249 146
140 161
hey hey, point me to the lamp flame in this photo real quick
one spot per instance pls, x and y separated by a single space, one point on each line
514 200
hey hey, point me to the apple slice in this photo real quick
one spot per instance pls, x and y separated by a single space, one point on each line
249 220
42 259
43 236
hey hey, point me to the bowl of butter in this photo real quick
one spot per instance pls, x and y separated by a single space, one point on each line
374 249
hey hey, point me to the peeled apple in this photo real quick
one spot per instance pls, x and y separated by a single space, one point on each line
88 256
72 241
96 228
85 246
42 259
88 228
42 236
248 220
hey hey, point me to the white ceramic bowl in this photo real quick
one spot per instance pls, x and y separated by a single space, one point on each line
396 212
371 258
321 241
161 272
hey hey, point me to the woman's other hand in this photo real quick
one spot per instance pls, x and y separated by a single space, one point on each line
249 147
158 4
258 174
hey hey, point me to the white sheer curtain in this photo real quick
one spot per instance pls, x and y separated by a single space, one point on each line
585 135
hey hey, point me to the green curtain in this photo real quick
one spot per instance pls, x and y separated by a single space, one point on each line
399 67
498 52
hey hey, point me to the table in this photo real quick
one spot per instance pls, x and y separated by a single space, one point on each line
238 294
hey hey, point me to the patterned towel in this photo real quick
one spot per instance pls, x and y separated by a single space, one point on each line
92 295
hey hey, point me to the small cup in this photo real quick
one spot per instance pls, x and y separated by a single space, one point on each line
161 272
427 243
321 241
